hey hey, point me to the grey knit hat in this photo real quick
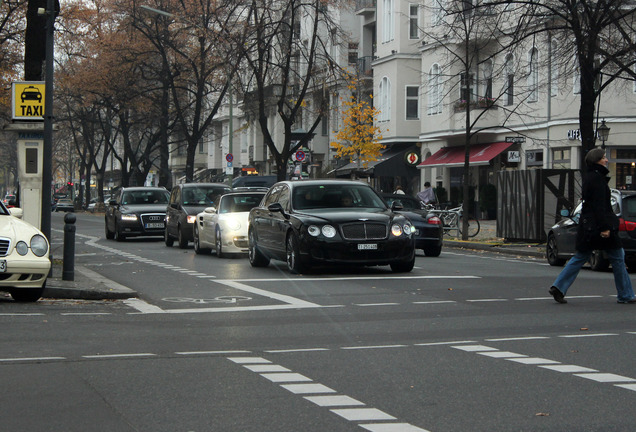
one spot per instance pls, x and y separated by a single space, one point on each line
594 155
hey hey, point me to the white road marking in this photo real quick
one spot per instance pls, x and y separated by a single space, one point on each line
267 368
20 359
569 368
296 350
434 302
329 401
376 304
117 356
605 377
392 427
307 388
143 306
362 414
474 348
372 347
211 352
248 360
285 377
589 335
501 354
517 339
443 343
487 300
533 361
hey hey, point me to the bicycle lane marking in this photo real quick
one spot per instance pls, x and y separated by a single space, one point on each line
344 406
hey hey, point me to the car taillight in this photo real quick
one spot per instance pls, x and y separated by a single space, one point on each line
434 220
626 225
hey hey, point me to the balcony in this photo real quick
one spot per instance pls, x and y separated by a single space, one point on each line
365 7
484 112
365 70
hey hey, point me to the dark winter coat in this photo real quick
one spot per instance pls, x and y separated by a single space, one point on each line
597 214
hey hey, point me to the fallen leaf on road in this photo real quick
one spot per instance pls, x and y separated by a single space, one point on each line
542 414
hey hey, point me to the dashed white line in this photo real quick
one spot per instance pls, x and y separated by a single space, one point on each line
589 335
117 356
372 347
20 359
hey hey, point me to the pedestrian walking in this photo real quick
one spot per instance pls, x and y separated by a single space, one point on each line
598 230
427 195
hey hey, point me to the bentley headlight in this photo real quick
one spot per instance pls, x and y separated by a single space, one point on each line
22 248
396 230
39 246
313 230
408 229
129 217
328 231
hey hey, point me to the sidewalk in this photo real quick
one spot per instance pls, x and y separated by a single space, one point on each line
87 285
487 240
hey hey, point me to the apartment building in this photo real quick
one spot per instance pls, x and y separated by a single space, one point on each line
523 103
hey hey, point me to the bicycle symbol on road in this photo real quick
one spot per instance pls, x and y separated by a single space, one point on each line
221 299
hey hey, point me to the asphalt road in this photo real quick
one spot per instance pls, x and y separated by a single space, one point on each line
468 341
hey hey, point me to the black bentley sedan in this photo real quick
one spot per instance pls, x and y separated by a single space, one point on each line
429 231
323 222
561 243
136 211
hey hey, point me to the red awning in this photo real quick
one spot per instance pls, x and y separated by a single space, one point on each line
480 154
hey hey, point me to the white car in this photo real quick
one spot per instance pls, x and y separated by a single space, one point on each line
24 257
223 227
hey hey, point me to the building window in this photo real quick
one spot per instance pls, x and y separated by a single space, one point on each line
414 21
385 100
510 80
202 147
388 31
561 158
466 89
533 75
353 53
554 70
412 102
434 91
437 12
487 80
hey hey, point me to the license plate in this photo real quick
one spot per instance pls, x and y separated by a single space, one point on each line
367 246
154 225
3 266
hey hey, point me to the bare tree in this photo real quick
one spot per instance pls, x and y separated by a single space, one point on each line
287 61
467 37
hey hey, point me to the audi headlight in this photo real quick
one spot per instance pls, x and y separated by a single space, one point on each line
22 248
191 219
129 217
396 230
328 231
39 246
313 230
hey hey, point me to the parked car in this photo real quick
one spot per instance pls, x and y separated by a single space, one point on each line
186 201
429 231
316 222
64 204
24 257
561 242
254 181
93 203
223 227
136 211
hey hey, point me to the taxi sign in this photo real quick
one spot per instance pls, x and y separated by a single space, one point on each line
27 100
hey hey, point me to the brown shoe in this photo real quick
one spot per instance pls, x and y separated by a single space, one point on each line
557 294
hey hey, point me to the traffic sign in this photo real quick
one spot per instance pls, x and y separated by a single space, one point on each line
516 139
229 157
27 99
300 155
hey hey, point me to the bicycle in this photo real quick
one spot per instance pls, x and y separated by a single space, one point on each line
452 219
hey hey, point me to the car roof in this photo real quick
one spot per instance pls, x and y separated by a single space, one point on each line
187 185
142 188
322 182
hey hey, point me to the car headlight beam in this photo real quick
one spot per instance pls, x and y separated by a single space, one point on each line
191 219
396 230
328 231
129 217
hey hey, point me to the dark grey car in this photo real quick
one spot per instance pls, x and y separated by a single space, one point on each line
561 243
136 211
186 201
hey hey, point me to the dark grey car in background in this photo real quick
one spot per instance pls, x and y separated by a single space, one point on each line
186 201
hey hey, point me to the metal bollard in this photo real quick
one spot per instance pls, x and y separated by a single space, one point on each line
68 269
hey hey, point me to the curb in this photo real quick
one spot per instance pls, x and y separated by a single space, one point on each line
88 285
532 250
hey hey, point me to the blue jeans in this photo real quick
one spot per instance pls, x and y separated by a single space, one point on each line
621 277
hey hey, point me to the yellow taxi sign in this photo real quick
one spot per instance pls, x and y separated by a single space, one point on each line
27 100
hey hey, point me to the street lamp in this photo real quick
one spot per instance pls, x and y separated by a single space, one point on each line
603 133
